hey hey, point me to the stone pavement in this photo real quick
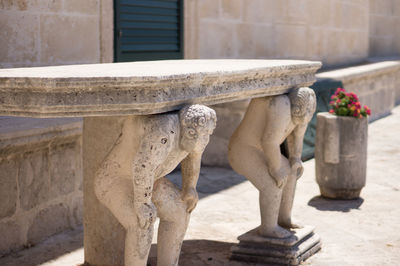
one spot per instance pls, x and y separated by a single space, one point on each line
357 232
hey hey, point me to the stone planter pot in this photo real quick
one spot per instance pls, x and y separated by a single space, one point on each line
341 155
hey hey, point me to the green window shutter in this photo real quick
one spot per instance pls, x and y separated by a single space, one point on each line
148 30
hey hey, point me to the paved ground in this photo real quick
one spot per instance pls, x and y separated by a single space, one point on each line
358 232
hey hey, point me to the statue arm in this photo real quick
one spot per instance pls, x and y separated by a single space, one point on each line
276 123
273 157
190 168
295 148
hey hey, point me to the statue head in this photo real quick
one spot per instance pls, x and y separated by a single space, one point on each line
302 105
197 124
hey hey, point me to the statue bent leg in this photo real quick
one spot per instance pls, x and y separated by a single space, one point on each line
285 210
174 220
270 194
115 192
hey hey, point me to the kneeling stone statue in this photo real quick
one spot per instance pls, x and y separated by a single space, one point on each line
254 152
131 180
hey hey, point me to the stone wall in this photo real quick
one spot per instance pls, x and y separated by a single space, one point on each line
384 27
376 84
332 31
41 179
336 32
55 32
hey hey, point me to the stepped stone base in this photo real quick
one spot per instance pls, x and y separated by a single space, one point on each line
274 251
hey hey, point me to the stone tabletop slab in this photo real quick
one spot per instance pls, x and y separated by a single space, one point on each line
144 87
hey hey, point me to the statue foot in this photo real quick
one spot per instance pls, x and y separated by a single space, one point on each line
290 225
276 232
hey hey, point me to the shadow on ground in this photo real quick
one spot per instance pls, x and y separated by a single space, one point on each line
211 180
324 204
56 246
200 253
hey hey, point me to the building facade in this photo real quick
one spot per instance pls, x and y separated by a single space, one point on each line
336 32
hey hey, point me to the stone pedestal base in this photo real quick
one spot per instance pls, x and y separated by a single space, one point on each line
273 251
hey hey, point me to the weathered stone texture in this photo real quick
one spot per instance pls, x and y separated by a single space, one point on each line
97 142
218 36
11 239
8 188
40 173
47 222
84 7
32 5
397 89
256 40
40 32
107 31
340 160
18 38
77 210
208 8
271 9
145 87
63 166
232 9
229 116
59 32
285 36
33 179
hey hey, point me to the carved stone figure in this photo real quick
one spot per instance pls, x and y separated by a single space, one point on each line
254 151
131 183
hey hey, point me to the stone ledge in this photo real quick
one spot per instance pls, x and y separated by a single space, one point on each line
359 72
377 83
19 132
145 87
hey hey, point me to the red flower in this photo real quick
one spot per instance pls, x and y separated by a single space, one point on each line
354 96
367 110
348 104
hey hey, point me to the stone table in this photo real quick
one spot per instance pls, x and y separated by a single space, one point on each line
107 94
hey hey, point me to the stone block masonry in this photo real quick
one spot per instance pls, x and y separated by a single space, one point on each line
335 32
55 32
384 38
41 179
